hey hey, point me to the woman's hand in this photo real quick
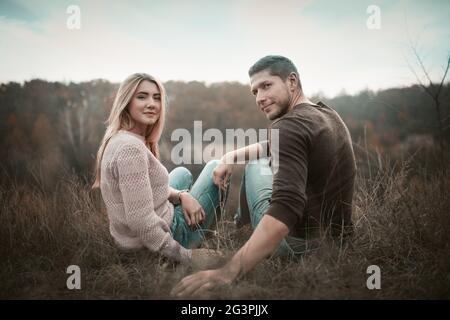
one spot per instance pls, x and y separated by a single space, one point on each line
222 174
192 210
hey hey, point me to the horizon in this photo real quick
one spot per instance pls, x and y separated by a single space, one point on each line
209 85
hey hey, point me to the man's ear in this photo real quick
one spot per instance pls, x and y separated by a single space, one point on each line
293 81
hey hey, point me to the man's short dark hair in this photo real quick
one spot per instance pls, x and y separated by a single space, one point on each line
276 65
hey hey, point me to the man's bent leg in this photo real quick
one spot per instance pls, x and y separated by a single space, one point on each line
258 191
242 215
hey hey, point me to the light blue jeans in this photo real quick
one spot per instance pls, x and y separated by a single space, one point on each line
206 193
256 188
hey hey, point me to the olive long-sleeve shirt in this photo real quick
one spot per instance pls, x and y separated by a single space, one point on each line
313 181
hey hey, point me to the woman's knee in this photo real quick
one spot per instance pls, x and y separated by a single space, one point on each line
182 173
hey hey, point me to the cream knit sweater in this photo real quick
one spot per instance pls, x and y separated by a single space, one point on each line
135 189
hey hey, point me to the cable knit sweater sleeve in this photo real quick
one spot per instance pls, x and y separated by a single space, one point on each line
136 190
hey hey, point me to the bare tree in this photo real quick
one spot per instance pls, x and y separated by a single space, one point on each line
434 90
74 139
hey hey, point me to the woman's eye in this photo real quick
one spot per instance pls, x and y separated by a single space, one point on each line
157 98
141 97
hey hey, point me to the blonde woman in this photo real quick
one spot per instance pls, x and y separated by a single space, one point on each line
147 206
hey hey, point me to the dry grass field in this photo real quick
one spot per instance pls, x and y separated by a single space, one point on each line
402 223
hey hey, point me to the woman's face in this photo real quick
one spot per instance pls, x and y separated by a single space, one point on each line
145 106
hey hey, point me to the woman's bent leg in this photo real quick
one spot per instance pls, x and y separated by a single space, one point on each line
180 178
207 194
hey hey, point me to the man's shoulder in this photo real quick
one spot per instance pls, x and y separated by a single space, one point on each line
317 116
301 116
285 120
310 121
291 127
311 110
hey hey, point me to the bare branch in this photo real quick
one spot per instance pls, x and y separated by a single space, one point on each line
386 104
443 77
418 79
416 54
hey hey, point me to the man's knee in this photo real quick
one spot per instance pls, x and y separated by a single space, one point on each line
208 169
257 167
211 164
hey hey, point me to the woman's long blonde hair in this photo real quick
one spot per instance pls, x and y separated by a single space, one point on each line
120 118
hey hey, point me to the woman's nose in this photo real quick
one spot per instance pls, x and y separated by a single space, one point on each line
150 104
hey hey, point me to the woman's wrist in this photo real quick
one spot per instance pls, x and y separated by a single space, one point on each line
180 194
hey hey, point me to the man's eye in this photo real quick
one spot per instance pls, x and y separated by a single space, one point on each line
267 85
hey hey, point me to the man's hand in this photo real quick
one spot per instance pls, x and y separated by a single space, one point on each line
201 284
264 240
192 210
222 174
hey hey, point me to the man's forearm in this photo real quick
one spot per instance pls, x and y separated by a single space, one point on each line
242 155
263 242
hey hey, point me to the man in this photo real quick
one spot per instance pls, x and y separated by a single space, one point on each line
310 193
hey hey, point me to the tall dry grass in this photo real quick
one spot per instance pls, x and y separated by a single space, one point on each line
402 223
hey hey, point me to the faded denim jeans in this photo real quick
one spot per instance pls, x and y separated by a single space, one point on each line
206 193
256 191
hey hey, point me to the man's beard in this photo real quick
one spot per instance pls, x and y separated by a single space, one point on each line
282 109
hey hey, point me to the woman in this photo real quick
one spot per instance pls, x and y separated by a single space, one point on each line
146 206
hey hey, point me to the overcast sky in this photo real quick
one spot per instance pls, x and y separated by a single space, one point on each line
215 41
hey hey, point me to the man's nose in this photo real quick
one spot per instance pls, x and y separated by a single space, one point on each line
260 98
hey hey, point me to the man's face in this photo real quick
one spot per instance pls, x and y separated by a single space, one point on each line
272 94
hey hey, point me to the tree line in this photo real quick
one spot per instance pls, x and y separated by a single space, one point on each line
50 126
